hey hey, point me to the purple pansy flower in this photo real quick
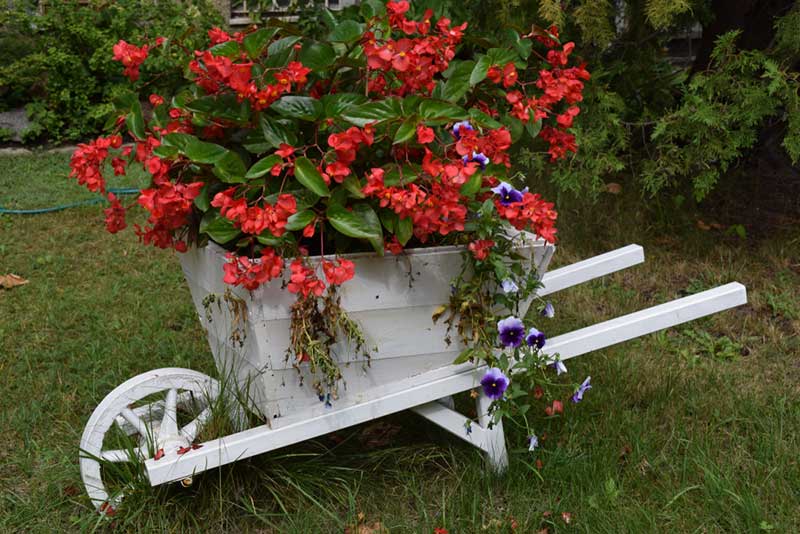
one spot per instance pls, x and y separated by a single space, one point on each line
494 383
477 157
508 195
533 442
509 286
459 125
535 338
511 331
548 311
583 388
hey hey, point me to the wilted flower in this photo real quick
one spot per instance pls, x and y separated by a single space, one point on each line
494 383
535 338
508 195
559 366
457 127
548 311
583 388
533 442
511 331
509 286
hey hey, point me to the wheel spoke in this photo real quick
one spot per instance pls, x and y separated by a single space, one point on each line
122 455
169 423
136 422
191 430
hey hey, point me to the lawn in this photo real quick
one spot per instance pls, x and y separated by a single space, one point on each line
693 429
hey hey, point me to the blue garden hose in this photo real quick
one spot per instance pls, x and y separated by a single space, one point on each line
117 191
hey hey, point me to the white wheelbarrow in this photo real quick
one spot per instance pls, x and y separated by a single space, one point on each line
393 298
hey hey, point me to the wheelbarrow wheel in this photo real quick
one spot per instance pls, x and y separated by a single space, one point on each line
152 414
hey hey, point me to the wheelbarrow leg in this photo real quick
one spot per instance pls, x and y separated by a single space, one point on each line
495 440
490 440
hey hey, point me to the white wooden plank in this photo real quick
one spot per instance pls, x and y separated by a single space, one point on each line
595 267
453 422
430 386
647 321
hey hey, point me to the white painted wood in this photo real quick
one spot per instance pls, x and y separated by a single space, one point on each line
116 404
495 444
430 386
595 267
647 321
490 440
392 298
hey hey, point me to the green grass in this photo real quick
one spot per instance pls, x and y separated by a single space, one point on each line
693 429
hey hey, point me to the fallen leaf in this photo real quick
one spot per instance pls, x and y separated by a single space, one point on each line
71 491
8 281
623 454
375 528
703 226
614 188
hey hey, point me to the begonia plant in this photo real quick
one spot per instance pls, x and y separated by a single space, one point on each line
387 134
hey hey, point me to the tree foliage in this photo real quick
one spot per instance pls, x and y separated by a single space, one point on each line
646 120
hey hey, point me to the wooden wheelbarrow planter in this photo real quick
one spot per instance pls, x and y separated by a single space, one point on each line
172 454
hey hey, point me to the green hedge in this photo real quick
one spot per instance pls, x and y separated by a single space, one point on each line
57 61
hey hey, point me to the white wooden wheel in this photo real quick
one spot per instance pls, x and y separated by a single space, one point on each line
156 413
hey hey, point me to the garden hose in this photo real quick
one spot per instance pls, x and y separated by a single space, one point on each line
117 191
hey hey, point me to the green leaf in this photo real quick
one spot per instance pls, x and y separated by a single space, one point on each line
255 43
263 166
202 201
218 228
482 119
501 56
372 8
465 355
522 46
388 219
404 230
533 128
337 103
479 72
230 168
407 130
317 56
308 175
227 49
439 109
457 85
353 186
203 152
361 223
377 111
366 212
347 31
165 151
276 132
278 52
222 107
472 186
135 121
298 107
515 126
393 175
299 220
